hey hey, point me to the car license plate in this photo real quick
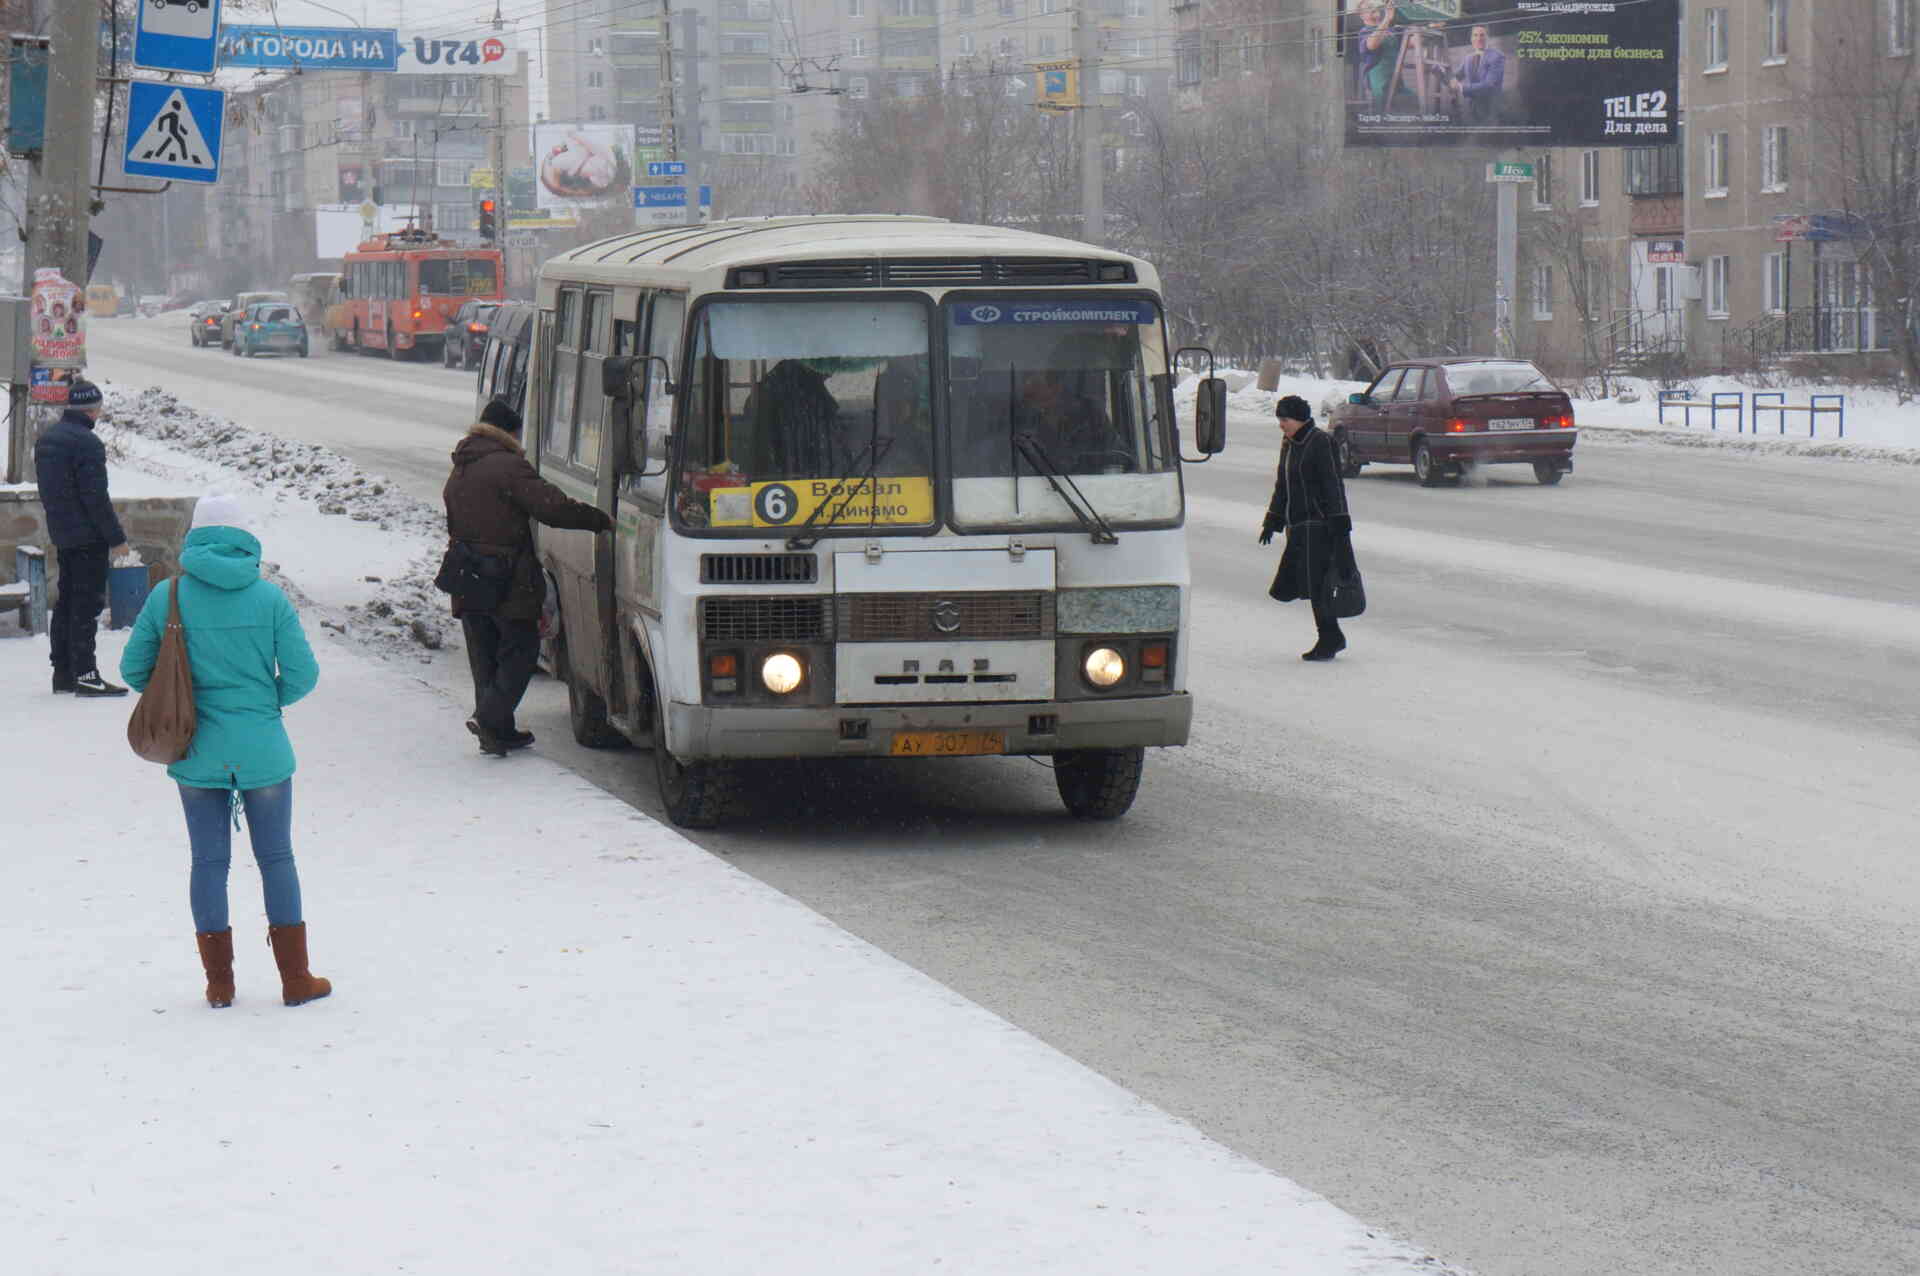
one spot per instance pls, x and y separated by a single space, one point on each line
947 744
1511 423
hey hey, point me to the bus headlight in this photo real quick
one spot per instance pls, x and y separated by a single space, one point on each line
1104 667
781 673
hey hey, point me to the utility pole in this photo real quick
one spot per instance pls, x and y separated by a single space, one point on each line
59 203
1507 266
502 219
1093 212
669 125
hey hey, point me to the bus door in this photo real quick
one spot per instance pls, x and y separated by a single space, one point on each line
649 434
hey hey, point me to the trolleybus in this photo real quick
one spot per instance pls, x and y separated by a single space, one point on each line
882 487
398 290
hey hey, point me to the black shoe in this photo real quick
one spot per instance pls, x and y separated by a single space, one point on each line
518 740
490 744
92 684
1325 649
62 683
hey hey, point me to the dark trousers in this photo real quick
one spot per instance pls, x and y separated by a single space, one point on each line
76 609
1325 621
502 654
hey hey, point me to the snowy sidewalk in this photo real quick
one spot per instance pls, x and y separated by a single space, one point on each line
562 1039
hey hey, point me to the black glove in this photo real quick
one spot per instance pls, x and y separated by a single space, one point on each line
1266 534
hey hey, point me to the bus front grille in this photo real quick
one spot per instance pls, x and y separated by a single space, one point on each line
759 569
993 614
764 619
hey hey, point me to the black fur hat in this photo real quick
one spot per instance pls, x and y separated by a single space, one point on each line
1294 408
501 417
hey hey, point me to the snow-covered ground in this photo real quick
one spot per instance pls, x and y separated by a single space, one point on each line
562 1038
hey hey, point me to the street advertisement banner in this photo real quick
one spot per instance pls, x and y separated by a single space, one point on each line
582 165
1497 74
58 337
277 48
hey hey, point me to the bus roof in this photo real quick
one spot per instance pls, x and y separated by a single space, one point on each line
720 246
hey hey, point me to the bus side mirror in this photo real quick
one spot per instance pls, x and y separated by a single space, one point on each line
1210 416
617 374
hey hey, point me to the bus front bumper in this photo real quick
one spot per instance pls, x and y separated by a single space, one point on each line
702 731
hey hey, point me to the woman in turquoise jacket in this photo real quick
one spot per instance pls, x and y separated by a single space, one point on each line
250 660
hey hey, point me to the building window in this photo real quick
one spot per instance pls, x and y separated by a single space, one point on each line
1718 146
1136 86
1543 291
857 87
1316 48
1773 158
1589 178
1715 58
966 45
596 112
1043 45
1044 7
1716 287
857 46
1776 284
1186 63
1775 34
1114 82
595 79
1596 299
1543 180
1136 8
856 8
1008 8
596 47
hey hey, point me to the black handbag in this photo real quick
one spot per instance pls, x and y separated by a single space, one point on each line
479 580
1346 595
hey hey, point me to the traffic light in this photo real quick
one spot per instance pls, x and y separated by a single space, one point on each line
488 228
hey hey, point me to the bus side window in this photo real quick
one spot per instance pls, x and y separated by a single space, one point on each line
490 370
590 414
565 362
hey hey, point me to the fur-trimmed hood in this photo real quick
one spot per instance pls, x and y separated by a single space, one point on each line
481 439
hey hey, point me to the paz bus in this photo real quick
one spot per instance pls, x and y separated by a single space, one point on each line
397 291
882 486
103 301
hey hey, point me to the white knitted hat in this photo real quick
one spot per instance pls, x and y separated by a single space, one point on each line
217 509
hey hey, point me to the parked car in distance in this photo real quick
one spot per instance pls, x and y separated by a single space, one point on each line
237 309
270 327
203 322
1445 417
467 334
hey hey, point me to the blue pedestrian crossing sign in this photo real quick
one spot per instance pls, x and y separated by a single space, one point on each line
173 131
176 35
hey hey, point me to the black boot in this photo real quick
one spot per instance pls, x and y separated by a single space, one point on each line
62 683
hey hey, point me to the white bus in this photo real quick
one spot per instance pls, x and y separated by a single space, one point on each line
882 487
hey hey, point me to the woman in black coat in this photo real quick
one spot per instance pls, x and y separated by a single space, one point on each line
1310 503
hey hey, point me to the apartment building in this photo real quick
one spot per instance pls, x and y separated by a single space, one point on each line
1759 237
1279 54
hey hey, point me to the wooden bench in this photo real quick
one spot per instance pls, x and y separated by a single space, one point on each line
1719 401
1834 405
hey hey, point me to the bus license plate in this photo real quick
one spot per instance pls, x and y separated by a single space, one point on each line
1511 423
947 744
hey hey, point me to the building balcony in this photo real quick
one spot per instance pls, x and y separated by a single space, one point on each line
1657 215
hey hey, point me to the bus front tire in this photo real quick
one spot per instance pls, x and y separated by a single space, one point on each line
697 795
1098 784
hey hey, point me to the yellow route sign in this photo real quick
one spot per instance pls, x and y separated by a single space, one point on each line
904 502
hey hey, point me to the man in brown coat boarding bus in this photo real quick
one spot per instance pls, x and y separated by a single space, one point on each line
493 499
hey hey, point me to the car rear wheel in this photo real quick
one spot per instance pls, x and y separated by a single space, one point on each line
1098 784
1343 455
1547 473
1425 468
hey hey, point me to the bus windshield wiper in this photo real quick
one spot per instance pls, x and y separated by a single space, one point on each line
873 452
1037 457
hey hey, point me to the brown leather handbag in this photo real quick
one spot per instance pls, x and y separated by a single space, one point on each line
162 725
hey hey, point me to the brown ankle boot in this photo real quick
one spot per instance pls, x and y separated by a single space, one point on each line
297 987
216 954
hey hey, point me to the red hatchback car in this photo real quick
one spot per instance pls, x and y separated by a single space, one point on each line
1446 416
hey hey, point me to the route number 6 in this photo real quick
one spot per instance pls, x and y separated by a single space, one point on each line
776 503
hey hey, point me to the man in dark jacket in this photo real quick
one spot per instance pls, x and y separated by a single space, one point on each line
1310 504
86 535
493 499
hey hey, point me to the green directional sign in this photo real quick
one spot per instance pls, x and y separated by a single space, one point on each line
1510 171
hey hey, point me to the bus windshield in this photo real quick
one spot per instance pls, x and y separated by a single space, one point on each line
458 277
1080 381
786 397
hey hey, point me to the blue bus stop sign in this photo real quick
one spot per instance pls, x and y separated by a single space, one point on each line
176 35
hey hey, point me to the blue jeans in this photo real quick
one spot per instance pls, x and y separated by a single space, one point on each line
269 825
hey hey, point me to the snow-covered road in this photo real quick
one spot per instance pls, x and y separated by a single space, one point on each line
1565 924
